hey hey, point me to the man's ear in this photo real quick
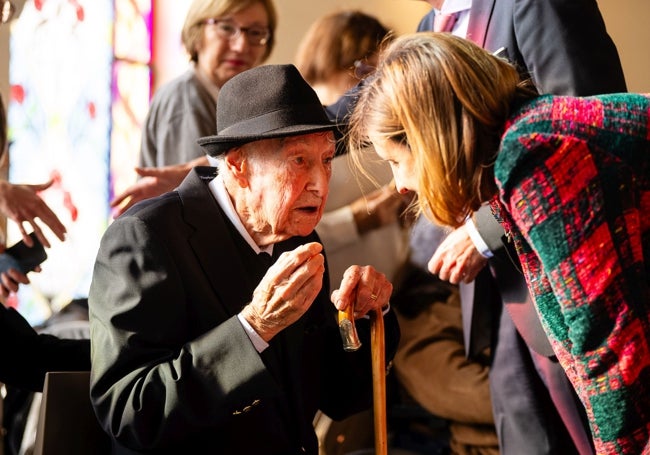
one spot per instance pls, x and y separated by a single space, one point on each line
237 165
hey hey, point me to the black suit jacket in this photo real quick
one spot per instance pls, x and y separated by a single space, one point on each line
173 370
564 46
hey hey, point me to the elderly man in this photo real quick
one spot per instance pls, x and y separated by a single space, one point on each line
211 321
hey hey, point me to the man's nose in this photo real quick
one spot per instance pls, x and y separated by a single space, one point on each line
319 181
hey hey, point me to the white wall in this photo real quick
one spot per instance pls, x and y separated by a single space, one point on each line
627 23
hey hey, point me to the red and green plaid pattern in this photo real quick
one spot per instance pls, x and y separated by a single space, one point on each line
574 179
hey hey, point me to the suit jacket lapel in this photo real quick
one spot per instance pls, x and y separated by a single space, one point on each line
221 262
479 18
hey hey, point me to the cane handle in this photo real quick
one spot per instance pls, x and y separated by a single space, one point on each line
348 330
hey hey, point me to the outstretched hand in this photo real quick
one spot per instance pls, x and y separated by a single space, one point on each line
22 204
154 181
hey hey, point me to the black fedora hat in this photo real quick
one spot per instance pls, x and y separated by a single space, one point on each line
265 102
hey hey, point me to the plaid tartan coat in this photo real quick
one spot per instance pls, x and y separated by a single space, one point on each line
574 197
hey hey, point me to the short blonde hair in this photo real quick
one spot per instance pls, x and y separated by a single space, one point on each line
200 10
447 100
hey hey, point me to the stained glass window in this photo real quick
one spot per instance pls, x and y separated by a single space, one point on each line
79 90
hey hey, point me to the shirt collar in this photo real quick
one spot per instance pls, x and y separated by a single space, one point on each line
218 189
455 6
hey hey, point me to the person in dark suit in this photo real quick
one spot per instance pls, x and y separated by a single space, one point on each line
564 47
211 318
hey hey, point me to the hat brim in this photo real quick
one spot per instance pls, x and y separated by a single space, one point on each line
216 145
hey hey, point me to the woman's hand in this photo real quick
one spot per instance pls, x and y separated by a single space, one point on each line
22 204
457 259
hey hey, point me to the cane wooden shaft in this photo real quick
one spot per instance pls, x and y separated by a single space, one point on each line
377 344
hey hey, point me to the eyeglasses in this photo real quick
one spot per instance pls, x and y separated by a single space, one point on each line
7 10
255 36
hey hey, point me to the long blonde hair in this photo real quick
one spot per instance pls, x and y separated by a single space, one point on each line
447 100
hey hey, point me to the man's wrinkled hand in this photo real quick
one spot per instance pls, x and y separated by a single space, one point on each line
365 288
287 290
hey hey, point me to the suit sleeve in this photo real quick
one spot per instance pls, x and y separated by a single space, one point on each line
566 48
28 355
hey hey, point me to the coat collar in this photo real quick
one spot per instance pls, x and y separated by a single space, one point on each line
479 17
220 260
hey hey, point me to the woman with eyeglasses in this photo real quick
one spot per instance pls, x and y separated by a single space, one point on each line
222 38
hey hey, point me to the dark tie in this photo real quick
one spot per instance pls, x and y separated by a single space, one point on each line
444 22
265 258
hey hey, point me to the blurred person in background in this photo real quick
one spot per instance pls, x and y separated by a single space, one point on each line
337 51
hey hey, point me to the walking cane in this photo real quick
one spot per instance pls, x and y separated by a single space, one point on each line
351 342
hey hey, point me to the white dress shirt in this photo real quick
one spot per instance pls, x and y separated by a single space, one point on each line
218 189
